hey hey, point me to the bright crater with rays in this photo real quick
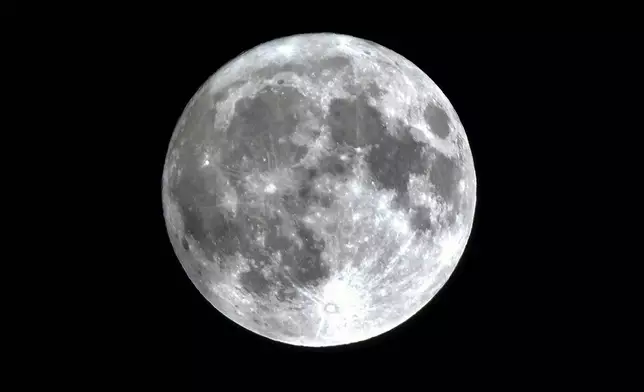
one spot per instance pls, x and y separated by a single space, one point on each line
319 189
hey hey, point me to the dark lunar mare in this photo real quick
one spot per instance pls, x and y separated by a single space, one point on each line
420 219
203 221
305 264
219 235
300 265
260 128
444 174
391 159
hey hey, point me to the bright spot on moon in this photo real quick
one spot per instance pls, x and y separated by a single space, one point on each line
400 226
270 188
331 308
286 50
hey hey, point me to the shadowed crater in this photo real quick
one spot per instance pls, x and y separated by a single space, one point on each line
438 120
336 166
312 173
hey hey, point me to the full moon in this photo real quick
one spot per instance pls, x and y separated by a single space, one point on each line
319 189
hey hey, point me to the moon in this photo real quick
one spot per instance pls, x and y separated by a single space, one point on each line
319 189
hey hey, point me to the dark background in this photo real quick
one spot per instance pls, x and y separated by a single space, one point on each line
544 114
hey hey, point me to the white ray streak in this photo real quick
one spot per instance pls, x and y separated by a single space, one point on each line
401 251
320 324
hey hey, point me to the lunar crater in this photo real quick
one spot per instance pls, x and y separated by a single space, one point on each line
437 120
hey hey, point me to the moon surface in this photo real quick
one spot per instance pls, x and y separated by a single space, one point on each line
319 189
